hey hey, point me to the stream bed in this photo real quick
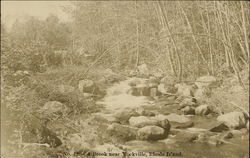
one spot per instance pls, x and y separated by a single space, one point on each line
119 98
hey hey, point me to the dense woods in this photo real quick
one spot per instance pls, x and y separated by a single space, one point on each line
182 39
166 35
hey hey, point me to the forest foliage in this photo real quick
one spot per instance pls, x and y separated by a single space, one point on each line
183 38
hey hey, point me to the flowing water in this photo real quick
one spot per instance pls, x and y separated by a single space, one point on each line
119 97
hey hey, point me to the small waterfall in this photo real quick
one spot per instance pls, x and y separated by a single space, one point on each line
119 97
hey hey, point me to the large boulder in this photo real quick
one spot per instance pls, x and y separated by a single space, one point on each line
234 120
202 110
87 86
122 132
206 81
142 121
152 133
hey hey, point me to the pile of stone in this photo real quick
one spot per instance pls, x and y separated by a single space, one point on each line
146 128
141 128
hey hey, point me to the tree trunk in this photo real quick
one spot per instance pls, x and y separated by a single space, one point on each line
162 7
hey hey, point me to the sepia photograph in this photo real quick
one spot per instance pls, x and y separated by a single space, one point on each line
125 79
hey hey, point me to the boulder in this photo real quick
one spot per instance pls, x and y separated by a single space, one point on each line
206 81
122 132
234 120
164 124
152 133
219 128
202 110
122 116
86 86
143 70
142 121
188 110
